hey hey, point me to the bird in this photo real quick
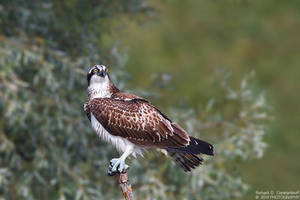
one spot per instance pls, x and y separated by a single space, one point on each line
133 125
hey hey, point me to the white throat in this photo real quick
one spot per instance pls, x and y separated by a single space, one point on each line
99 88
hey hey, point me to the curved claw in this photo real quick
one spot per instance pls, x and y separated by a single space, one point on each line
117 165
113 161
122 167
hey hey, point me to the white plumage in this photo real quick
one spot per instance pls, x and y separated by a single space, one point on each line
99 87
120 143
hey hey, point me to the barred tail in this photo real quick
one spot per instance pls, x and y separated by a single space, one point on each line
186 161
188 157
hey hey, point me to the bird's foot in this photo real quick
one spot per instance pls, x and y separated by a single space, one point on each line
117 165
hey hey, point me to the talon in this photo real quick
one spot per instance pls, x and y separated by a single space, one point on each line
113 161
121 167
117 165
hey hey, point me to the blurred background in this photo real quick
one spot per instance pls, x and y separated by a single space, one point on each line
227 71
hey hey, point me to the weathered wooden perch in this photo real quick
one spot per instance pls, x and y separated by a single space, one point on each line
123 181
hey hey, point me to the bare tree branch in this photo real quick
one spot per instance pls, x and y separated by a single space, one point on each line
123 181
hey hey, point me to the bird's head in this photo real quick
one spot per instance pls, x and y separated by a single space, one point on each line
98 74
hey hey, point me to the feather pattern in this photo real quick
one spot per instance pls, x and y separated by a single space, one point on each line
186 161
139 122
120 143
87 111
132 124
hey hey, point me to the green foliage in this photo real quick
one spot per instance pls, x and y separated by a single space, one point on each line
48 149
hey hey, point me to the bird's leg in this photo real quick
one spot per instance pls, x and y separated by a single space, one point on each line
118 164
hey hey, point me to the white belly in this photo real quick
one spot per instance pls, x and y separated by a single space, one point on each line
120 143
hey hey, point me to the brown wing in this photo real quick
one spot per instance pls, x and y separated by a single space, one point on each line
127 97
139 122
87 111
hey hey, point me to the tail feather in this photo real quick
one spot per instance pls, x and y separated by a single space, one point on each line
186 161
188 157
196 146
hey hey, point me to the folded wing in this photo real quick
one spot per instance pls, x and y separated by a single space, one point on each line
138 121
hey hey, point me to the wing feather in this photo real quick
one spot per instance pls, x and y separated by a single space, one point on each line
139 122
87 111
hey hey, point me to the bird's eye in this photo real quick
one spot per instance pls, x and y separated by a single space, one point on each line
95 70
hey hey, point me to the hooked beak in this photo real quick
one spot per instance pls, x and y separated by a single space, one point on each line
101 73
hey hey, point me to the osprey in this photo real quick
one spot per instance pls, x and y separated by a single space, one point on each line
133 125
